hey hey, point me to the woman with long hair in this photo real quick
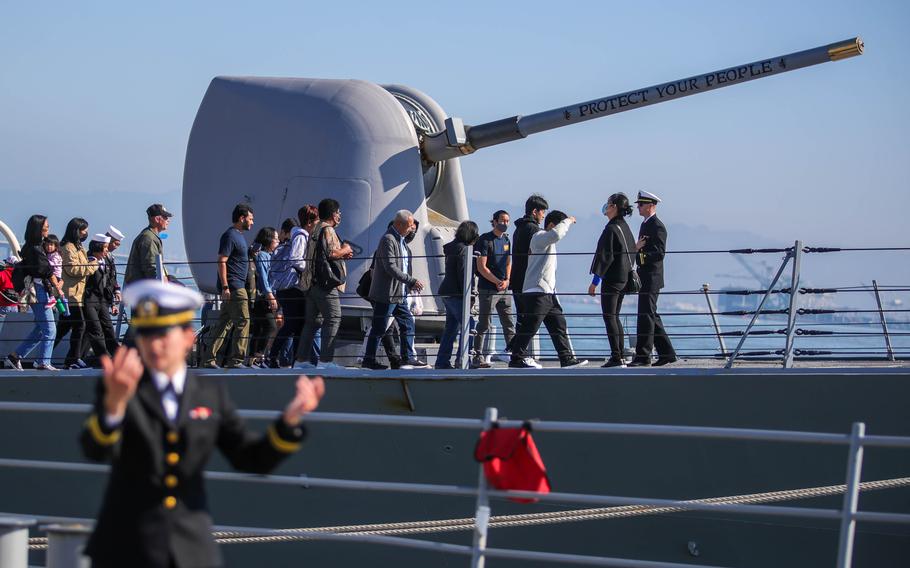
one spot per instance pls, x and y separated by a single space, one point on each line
37 269
76 269
611 268
263 327
452 292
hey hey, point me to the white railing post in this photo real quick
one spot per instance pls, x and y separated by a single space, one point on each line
159 266
482 515
791 311
851 496
720 338
14 542
464 342
881 316
65 544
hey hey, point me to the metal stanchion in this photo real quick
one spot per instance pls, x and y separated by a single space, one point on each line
159 265
881 316
720 338
851 496
14 541
791 312
482 516
464 341
65 544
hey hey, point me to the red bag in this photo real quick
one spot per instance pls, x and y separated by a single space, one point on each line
511 460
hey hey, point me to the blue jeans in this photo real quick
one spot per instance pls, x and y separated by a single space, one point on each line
452 330
42 335
381 314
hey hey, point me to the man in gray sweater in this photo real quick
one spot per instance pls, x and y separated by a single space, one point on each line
539 299
392 281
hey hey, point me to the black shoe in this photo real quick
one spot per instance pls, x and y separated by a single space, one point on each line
444 367
372 364
661 361
614 363
640 363
395 363
572 363
414 364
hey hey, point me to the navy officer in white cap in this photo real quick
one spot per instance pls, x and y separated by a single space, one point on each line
158 423
651 247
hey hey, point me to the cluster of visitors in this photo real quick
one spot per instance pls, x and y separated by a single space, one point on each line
281 296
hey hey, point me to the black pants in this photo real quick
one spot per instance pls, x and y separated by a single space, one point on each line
651 332
107 326
610 305
293 309
263 326
74 324
542 308
519 315
94 337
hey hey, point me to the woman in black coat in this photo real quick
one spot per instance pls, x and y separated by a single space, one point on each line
452 291
611 268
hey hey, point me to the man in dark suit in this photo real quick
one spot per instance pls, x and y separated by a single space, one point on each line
158 424
651 247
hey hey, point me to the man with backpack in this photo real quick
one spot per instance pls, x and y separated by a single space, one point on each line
323 280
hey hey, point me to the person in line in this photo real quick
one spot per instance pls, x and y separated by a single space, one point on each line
38 274
158 423
651 248
111 290
494 268
95 307
392 282
535 211
9 298
76 269
52 248
142 261
323 281
265 306
288 264
452 291
233 268
539 300
611 266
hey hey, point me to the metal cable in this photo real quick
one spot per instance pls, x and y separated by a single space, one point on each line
531 519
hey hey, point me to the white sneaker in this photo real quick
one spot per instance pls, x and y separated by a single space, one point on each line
533 362
329 365
47 367
11 363
304 365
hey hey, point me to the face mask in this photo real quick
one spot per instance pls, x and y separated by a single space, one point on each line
410 236
502 227
82 239
603 209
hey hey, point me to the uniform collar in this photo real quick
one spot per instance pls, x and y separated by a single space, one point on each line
161 380
653 215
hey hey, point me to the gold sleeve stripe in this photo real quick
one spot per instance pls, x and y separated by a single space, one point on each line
281 444
163 321
94 428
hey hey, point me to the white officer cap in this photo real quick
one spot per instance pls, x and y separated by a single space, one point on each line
115 233
159 305
647 197
99 238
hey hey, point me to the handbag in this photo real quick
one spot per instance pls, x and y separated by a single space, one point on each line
328 273
633 284
366 280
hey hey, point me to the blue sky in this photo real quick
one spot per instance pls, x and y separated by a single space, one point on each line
100 96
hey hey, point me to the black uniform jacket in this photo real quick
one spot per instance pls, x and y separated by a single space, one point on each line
155 511
650 258
613 255
525 228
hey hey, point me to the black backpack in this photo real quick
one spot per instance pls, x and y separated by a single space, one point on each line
328 273
18 278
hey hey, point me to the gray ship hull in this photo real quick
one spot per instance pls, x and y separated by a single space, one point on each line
824 400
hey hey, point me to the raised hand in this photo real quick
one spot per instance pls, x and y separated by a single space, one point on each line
121 375
306 399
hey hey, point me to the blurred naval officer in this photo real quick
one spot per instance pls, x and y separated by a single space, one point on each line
651 247
158 423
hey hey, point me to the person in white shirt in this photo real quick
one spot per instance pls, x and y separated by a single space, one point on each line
539 301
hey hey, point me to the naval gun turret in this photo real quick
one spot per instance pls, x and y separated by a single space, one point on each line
279 143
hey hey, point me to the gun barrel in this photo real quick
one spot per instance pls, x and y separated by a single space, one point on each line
437 147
